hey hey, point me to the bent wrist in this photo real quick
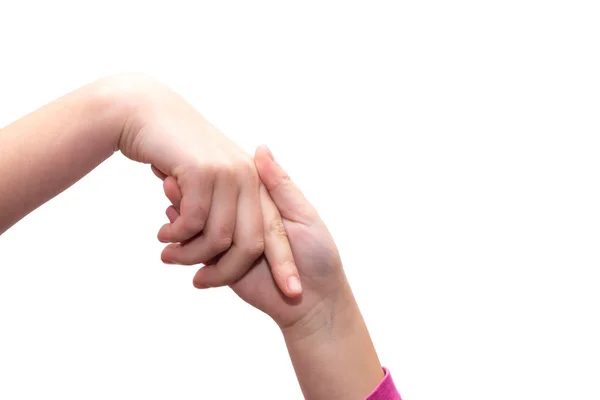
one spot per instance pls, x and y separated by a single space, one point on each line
122 98
112 100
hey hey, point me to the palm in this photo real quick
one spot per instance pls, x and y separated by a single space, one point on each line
320 270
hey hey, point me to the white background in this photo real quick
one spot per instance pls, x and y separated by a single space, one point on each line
451 146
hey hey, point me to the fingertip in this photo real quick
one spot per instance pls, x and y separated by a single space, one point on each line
172 191
270 172
161 175
263 158
164 234
294 286
198 282
263 150
172 214
166 260
286 277
198 285
180 230
169 253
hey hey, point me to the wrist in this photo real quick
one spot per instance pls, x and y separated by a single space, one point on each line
338 311
121 97
332 352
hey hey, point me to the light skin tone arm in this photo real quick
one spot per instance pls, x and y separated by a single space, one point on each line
50 149
326 336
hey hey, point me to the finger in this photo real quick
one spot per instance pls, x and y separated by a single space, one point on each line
217 236
277 248
161 175
247 246
172 214
172 192
194 210
213 261
288 198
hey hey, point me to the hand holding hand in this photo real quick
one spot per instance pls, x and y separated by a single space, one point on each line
325 288
326 336
287 214
219 209
325 333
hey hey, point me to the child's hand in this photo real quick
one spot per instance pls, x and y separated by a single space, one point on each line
220 208
326 336
325 289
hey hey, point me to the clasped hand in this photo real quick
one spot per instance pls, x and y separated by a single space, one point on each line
243 218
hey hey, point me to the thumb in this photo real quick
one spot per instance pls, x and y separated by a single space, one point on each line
285 194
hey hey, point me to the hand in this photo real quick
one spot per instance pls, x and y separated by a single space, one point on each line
289 215
218 187
326 290
326 336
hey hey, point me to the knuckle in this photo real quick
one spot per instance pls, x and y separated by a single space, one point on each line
199 171
195 221
254 248
253 176
287 263
242 169
248 169
248 164
222 239
276 228
208 168
226 170
281 182
259 247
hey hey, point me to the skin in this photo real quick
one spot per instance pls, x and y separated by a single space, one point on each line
326 336
221 215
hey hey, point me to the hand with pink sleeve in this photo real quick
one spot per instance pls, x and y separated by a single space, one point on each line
328 342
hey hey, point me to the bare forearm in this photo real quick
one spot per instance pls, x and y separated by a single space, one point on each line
333 354
48 150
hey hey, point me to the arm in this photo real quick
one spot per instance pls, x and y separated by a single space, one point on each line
50 149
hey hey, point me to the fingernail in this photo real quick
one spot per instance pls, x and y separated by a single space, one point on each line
294 285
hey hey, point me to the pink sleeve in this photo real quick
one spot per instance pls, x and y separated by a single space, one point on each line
385 390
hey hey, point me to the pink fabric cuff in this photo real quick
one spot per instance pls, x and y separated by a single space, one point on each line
386 390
